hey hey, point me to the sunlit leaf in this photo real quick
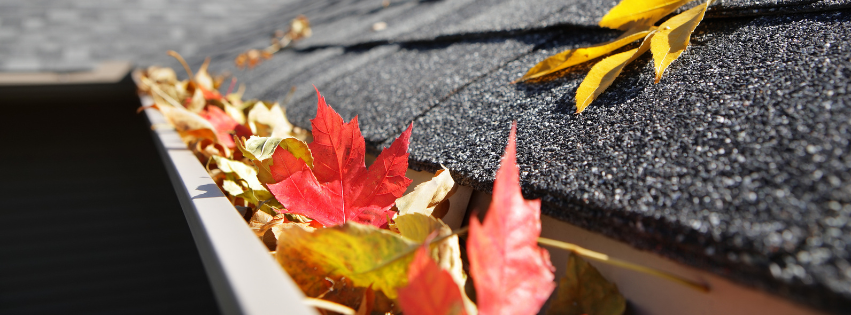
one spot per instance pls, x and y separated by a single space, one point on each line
639 13
427 195
362 253
189 125
673 36
512 275
269 120
224 125
604 73
572 57
246 177
583 290
339 188
430 290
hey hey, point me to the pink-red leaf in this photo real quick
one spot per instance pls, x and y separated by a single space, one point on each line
430 290
512 275
225 126
339 188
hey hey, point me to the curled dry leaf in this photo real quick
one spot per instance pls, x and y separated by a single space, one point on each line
512 275
572 57
673 36
245 179
430 290
224 125
426 196
189 125
269 120
605 72
366 255
583 290
639 13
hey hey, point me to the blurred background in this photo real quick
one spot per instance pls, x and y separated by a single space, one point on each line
89 221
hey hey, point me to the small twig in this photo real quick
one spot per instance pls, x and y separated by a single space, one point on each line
623 264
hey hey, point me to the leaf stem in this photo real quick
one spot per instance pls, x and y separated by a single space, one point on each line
182 62
623 264
328 305
413 249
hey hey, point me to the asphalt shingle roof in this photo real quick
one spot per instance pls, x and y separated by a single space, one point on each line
736 162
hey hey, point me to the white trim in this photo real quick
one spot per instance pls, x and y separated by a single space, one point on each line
652 295
105 72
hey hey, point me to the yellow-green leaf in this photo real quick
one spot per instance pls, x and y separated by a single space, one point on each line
572 57
427 195
583 290
259 148
417 226
604 73
313 276
673 36
362 253
639 13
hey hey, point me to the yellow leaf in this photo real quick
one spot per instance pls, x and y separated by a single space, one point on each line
604 73
572 57
639 13
269 120
427 195
417 226
673 36
583 290
362 253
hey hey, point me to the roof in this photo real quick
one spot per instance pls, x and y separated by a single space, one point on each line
736 162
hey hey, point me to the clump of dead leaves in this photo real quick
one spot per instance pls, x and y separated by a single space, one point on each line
345 232
637 18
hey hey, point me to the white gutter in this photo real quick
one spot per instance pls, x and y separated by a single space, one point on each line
245 278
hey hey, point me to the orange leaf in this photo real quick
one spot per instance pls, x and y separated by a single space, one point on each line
430 290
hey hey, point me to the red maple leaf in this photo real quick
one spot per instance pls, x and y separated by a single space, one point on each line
430 290
512 275
225 126
339 188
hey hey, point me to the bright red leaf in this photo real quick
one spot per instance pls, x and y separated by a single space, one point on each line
339 188
225 126
430 290
512 275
